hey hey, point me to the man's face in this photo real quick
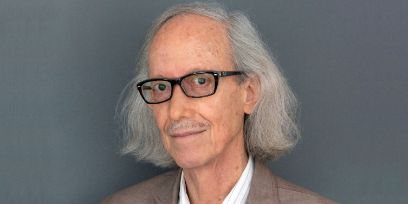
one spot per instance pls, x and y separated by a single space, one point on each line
196 131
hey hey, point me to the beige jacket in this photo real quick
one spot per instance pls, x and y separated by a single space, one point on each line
265 188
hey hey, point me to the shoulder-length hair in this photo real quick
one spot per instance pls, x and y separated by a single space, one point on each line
270 131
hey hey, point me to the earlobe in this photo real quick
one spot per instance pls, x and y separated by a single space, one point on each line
252 93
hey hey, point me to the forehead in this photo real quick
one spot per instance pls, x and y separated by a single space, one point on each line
187 43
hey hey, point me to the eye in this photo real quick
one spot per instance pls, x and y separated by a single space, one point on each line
160 86
200 80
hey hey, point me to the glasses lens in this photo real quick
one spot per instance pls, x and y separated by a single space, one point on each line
156 91
198 85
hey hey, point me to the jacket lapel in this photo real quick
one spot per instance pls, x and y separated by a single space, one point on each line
169 195
263 186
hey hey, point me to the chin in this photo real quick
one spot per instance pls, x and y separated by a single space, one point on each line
190 161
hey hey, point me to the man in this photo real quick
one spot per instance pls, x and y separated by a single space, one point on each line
209 99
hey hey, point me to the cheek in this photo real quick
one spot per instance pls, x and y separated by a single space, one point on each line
160 117
226 115
231 106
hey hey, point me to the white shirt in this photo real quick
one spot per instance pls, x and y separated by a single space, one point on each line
239 192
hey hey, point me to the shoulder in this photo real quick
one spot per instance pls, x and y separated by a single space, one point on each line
269 188
143 192
292 193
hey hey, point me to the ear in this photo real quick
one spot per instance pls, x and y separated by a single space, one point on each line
251 95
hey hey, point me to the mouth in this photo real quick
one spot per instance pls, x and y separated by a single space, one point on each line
186 133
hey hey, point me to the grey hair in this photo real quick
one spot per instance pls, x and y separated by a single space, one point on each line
270 131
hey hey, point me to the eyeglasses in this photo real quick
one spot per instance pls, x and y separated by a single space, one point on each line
195 85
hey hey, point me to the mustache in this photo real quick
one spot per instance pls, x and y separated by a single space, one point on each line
190 124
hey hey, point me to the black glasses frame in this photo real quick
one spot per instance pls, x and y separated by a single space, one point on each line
173 82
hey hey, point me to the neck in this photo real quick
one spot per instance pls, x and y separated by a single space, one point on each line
212 182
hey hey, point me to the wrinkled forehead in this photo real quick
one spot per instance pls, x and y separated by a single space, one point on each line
187 43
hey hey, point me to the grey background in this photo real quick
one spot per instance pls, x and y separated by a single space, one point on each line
65 62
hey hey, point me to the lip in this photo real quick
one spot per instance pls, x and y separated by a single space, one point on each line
186 133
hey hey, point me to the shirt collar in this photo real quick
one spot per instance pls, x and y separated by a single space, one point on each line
239 192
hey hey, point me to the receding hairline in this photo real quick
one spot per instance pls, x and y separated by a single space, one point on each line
192 16
193 26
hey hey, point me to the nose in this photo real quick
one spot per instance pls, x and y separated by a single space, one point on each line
179 105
